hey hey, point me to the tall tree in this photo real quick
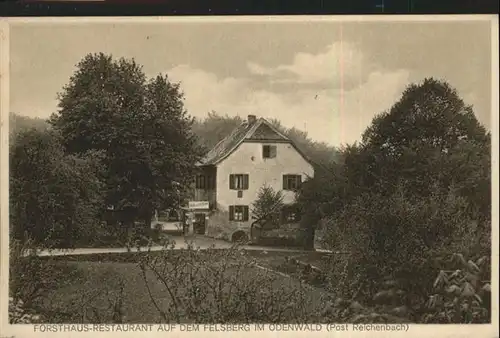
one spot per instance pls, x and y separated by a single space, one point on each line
141 126
432 113
430 121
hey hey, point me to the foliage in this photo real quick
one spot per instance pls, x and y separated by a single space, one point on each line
19 123
214 128
429 124
416 188
212 286
30 280
399 235
268 205
187 285
54 198
19 315
140 125
462 295
431 112
320 153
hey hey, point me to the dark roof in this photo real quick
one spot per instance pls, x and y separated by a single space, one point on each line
259 130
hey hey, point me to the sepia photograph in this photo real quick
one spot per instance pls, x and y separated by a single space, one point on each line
234 175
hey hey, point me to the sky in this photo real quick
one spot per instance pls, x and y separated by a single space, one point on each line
329 78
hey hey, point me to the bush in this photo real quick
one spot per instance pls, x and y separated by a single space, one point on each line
18 314
225 286
461 295
30 279
399 236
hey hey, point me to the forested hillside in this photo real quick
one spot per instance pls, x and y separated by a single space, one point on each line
19 123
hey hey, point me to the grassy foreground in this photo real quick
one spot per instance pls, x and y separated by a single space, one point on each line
203 286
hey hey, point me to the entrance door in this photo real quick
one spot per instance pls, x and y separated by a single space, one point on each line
199 224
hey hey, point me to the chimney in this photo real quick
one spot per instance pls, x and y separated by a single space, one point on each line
252 119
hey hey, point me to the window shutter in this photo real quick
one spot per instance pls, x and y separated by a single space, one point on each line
245 213
231 181
245 181
231 212
285 186
299 180
265 151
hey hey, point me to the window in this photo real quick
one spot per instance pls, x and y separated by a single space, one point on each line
238 213
291 182
205 182
238 181
268 151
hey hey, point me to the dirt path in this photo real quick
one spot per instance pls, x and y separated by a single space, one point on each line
180 243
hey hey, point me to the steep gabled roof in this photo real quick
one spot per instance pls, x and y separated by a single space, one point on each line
261 129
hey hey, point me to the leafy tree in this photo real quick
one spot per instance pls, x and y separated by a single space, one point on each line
54 198
430 112
141 126
429 120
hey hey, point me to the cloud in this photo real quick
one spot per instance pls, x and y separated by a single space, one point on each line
257 69
333 95
333 115
339 64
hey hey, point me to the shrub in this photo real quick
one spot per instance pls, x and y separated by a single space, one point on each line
214 286
30 279
462 295
397 235
19 315
29 276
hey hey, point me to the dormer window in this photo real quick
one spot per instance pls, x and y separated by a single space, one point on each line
268 151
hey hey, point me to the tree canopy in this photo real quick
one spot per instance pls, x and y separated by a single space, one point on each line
140 124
